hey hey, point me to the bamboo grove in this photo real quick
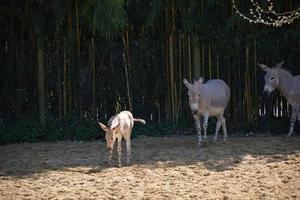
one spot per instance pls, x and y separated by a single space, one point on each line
91 59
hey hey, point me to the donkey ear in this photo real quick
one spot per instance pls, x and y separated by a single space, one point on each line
200 80
102 126
279 65
263 67
186 83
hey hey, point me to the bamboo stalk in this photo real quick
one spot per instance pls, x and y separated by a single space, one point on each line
65 79
218 67
77 28
93 65
196 56
203 60
189 57
41 81
125 39
171 56
209 61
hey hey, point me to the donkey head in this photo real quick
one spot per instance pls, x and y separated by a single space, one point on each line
194 94
110 131
271 77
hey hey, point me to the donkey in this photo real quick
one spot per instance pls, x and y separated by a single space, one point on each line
208 99
288 85
119 126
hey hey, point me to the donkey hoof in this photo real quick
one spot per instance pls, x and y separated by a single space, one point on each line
225 139
289 135
200 142
215 139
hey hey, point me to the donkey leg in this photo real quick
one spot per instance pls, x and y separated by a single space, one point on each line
198 128
111 151
218 125
205 122
120 151
223 121
293 120
128 147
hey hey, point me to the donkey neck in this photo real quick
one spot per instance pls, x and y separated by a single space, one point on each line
285 81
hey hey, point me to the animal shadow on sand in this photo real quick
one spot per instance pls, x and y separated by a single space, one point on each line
24 160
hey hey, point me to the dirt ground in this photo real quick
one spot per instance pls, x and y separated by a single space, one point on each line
162 168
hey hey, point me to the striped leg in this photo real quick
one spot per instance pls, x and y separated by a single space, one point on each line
111 151
223 121
218 125
119 151
205 121
198 128
128 146
293 120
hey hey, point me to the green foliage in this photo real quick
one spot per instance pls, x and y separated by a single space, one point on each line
80 129
164 128
104 16
24 130
28 130
167 127
147 129
144 12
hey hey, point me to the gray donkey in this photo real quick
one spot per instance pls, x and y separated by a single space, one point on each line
208 99
288 85
119 126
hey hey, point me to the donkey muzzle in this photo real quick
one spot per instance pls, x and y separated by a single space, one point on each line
267 90
266 93
108 147
194 107
194 112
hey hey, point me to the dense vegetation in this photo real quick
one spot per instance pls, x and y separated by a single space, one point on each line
66 63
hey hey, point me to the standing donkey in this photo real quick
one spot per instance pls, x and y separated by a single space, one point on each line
208 99
119 126
288 85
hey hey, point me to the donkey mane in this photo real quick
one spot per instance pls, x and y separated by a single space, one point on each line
111 120
285 72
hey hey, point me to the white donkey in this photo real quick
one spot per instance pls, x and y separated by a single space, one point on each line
119 126
288 85
208 99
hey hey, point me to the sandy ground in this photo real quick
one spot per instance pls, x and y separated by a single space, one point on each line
163 168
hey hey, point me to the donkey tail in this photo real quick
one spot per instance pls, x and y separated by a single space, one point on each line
140 120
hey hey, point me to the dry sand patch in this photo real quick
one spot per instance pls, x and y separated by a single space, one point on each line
163 168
